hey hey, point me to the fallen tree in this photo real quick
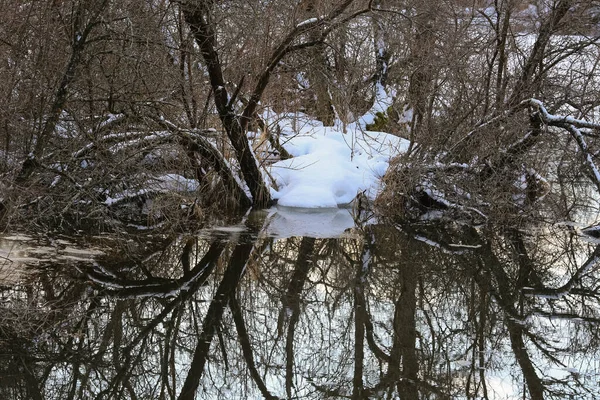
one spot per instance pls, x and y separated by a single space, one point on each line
469 190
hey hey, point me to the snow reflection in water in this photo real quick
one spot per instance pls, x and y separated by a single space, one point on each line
256 313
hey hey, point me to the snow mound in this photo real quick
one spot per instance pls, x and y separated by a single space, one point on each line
329 166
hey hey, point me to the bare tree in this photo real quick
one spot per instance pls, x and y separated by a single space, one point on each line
200 17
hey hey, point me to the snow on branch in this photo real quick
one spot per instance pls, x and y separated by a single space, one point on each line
573 126
310 21
110 121
553 120
194 141
549 119
122 141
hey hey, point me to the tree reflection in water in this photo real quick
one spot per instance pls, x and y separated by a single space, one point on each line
388 311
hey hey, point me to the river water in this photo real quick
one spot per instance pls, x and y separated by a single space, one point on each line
303 305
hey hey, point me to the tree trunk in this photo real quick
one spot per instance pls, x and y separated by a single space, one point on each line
420 81
318 69
199 18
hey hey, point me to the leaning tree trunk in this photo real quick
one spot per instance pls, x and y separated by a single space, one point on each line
198 17
256 184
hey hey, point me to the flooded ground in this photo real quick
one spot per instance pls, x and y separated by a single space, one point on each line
330 310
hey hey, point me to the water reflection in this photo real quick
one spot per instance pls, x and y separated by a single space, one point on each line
284 222
387 311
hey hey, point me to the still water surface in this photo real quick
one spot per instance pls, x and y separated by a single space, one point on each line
297 305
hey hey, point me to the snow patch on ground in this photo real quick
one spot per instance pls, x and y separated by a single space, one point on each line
383 100
330 167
